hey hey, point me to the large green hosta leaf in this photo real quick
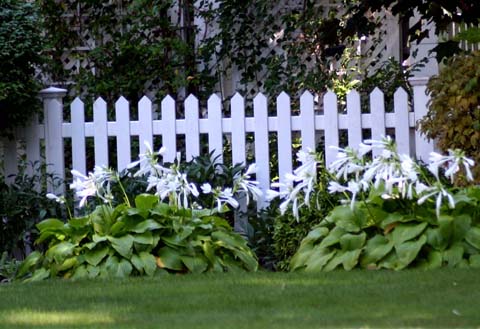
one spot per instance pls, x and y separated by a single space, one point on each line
95 256
408 251
195 264
170 258
144 262
352 242
333 237
406 231
454 255
317 260
60 251
350 220
122 245
349 259
375 249
29 263
473 237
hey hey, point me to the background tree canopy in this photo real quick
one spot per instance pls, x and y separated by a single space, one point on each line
20 50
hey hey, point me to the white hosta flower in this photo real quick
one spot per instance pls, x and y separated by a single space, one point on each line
349 161
148 162
386 143
226 196
59 199
206 188
439 192
334 187
453 162
84 186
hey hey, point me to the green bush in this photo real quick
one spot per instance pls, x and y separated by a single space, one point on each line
453 119
22 205
171 229
141 240
21 44
395 214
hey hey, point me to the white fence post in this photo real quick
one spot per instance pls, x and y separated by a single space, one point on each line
53 119
423 147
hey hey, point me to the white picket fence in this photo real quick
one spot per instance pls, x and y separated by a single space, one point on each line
48 136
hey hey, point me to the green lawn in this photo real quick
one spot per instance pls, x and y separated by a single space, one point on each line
359 299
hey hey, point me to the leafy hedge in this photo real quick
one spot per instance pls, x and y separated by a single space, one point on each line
21 44
141 240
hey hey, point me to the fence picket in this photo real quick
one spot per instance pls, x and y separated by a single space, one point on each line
402 125
79 161
377 112
284 137
238 129
192 131
100 132
122 115
354 119
331 126
262 155
215 135
307 118
169 129
145 122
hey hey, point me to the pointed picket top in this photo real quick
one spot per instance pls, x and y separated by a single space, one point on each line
307 117
354 119
237 98
283 103
215 133
77 102
214 99
121 101
145 101
191 103
352 95
400 92
99 102
191 98
330 97
306 96
260 96
168 101
377 92
260 102
283 95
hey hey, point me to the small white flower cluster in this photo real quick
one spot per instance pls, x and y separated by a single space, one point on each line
300 182
95 184
398 175
168 183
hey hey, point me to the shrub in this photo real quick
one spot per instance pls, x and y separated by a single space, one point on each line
169 230
306 203
397 214
453 119
22 205
21 44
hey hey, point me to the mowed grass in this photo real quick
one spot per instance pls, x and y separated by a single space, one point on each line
447 298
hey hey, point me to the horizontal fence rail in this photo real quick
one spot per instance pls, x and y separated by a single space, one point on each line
47 139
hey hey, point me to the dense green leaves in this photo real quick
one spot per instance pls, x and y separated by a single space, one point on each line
119 242
453 119
400 240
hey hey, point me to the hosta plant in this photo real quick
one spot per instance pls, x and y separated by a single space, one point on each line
162 231
395 214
